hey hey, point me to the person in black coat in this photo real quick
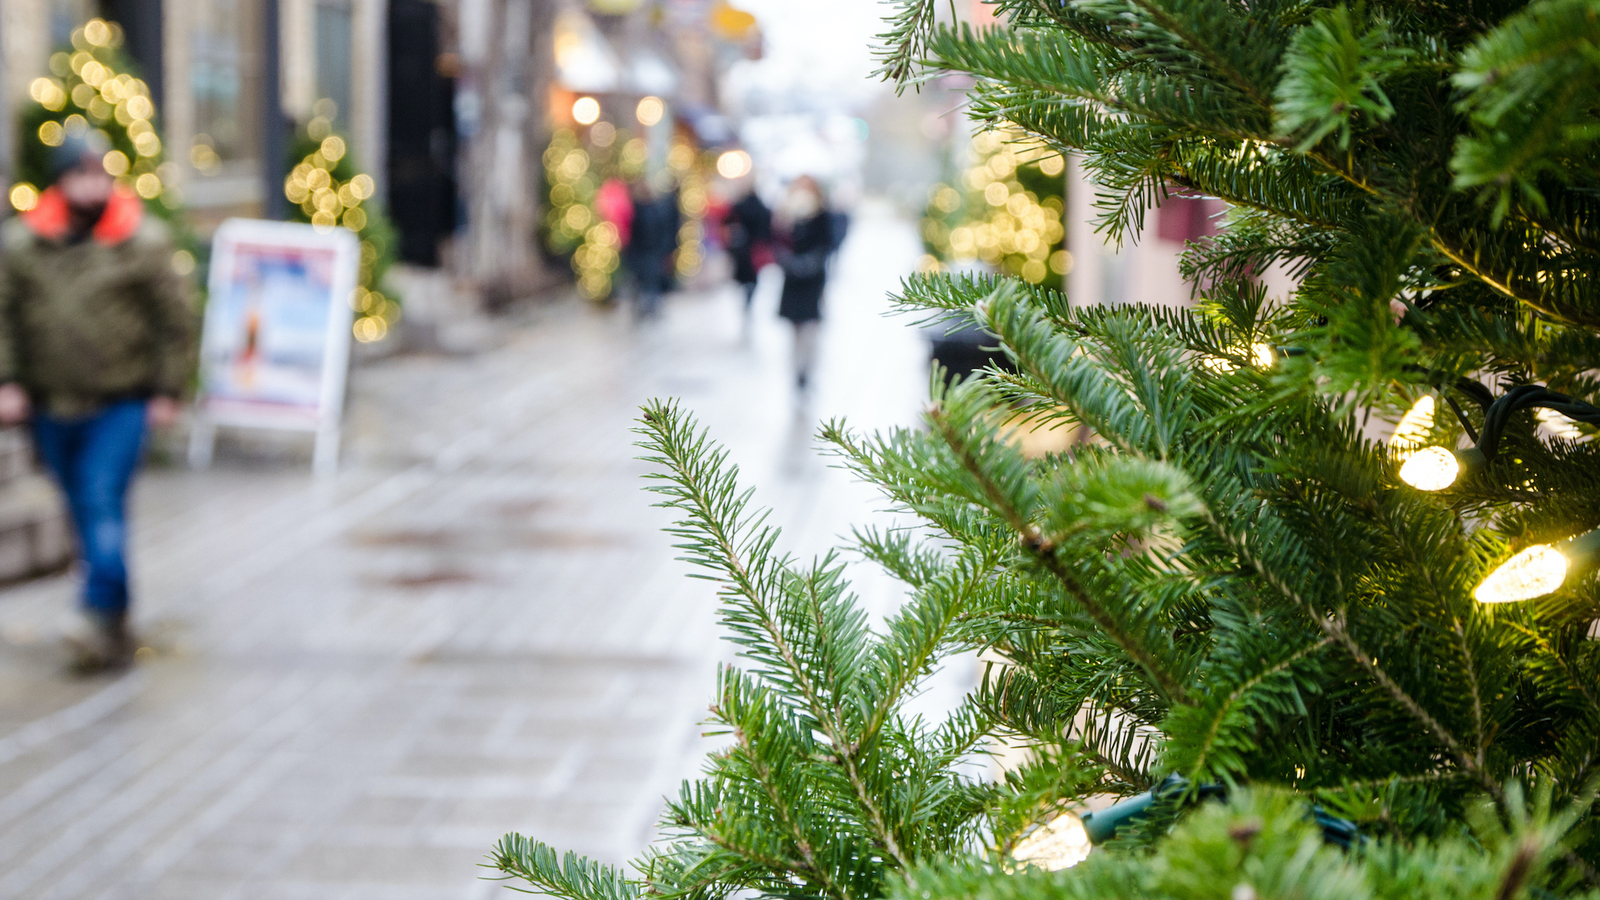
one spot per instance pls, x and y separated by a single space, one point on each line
749 228
651 245
804 258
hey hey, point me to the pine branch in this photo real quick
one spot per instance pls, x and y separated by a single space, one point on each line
568 876
1044 552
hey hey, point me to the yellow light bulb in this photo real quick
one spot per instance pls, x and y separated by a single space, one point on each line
1262 356
733 164
649 111
1060 843
1414 425
585 110
1431 469
1534 572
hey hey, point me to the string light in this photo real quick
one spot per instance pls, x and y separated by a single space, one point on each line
649 111
1060 843
83 94
328 202
990 215
585 110
733 164
1534 572
1431 469
1436 468
573 224
1537 570
1262 355
1414 426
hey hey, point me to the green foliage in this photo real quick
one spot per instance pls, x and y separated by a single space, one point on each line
325 188
1004 209
93 90
1227 581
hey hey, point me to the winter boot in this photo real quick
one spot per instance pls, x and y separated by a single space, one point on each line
103 644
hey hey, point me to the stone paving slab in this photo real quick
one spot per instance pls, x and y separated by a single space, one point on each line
476 628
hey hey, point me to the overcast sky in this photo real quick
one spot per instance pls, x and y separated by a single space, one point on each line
819 49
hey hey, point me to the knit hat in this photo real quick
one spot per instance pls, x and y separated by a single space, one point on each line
75 150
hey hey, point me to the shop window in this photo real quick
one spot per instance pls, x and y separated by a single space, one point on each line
333 59
225 79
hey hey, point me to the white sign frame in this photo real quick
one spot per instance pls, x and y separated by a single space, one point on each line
211 411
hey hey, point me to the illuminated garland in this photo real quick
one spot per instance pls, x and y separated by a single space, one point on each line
572 225
693 200
329 192
87 92
574 170
1005 210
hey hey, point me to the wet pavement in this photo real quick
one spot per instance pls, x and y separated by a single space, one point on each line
477 627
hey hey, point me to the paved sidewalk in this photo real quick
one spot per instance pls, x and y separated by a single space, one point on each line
476 628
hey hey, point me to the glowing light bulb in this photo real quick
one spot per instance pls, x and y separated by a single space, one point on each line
1534 572
733 164
1060 843
585 110
1262 356
1414 425
649 111
1431 469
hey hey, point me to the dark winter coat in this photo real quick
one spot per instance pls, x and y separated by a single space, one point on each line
85 323
805 268
749 225
653 240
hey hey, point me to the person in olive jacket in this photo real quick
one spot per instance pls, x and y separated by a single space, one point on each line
96 338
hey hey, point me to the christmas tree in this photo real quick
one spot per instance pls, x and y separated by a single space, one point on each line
329 191
92 91
1308 653
1004 209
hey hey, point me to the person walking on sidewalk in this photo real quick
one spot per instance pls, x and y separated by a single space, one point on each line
804 260
749 228
96 334
651 244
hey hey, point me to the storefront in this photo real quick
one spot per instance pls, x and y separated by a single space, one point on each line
231 79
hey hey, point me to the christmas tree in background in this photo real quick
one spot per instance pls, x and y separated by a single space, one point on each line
1004 209
92 91
577 164
573 225
328 191
1299 651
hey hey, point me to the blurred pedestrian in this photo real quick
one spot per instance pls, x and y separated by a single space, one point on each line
804 258
652 241
96 332
749 230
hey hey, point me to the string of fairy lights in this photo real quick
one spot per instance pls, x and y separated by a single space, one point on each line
330 193
573 224
1004 210
85 93
580 160
1428 465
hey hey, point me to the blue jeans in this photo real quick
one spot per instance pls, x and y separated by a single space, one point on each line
93 459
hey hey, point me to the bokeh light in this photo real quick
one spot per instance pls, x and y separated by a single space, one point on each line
649 111
586 110
733 164
1004 211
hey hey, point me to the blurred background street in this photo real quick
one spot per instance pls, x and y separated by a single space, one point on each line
359 686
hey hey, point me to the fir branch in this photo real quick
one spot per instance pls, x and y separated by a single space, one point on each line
568 876
1044 552
1333 625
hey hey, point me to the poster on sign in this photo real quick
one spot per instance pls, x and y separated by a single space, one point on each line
275 347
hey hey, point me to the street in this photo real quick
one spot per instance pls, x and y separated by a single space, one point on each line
357 686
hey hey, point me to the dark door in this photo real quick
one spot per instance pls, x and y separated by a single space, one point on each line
422 132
